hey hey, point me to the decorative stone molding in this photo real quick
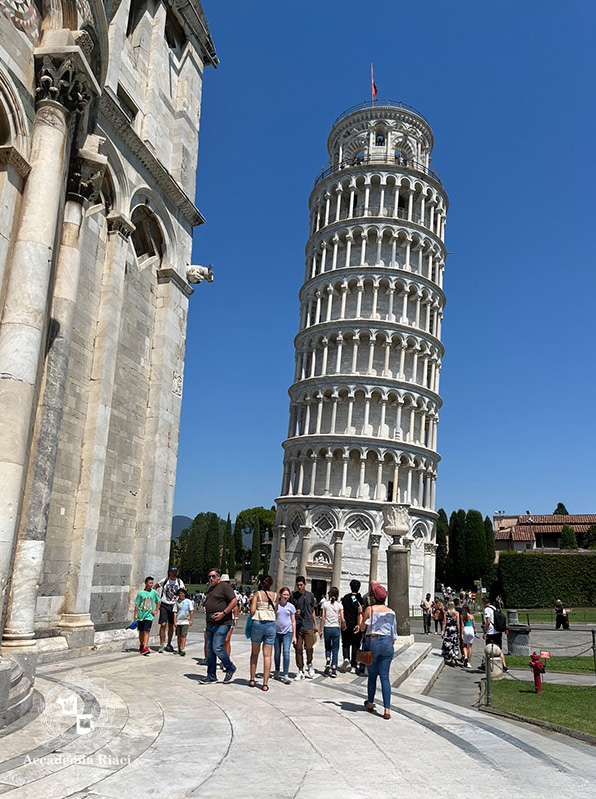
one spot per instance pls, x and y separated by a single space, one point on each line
396 521
177 384
196 274
430 549
86 176
117 223
109 107
59 80
169 275
10 156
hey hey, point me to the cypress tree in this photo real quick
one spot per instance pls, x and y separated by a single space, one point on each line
228 548
475 535
255 555
490 572
568 539
212 542
590 539
442 533
238 544
458 550
560 510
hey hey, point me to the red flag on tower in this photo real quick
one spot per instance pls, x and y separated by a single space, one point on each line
373 85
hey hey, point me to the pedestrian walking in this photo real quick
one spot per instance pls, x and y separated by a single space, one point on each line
306 626
146 606
219 606
561 617
285 632
332 621
350 634
225 578
169 596
426 606
379 625
451 637
262 632
468 633
491 635
438 611
183 616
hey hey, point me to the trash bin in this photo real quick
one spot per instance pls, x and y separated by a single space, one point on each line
518 639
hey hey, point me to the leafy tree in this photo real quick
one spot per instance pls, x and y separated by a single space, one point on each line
568 539
560 510
458 550
590 537
475 536
255 554
212 542
228 555
442 533
489 533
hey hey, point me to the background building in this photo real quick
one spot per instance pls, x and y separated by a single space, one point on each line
365 401
99 120
539 532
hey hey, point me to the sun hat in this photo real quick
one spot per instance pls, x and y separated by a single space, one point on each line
225 578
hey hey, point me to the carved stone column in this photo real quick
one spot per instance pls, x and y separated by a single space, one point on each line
85 177
305 538
375 541
63 80
281 556
338 538
397 525
76 622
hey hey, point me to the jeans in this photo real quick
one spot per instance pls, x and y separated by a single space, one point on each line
350 645
282 640
216 636
382 655
331 644
426 617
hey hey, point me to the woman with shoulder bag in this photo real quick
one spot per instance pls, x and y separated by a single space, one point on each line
438 611
379 625
262 608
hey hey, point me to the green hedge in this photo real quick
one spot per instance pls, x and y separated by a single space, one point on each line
534 580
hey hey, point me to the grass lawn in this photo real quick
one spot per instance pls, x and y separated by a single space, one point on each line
559 704
579 665
547 615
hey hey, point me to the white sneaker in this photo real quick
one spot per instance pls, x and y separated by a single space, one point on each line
469 666
311 670
344 666
299 676
286 680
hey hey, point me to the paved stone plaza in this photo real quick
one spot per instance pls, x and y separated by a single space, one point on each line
159 732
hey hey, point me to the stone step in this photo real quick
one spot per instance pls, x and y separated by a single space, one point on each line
406 660
423 677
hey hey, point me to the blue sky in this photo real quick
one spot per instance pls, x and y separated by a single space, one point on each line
508 88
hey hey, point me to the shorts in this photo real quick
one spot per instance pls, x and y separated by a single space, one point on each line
166 614
495 638
262 632
182 630
468 635
144 626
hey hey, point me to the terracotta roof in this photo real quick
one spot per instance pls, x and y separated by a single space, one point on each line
558 521
516 533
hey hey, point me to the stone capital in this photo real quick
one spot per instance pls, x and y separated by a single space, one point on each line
85 176
338 536
118 223
305 530
63 76
375 540
430 549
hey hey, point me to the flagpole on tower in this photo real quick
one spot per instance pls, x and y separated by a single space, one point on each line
373 85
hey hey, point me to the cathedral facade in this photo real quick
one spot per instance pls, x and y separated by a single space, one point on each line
99 120
365 401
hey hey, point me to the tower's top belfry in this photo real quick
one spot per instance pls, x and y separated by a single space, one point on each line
388 132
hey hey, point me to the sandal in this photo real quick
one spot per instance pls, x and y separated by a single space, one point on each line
369 706
265 688
251 683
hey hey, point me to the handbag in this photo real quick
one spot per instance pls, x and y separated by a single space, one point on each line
248 627
364 656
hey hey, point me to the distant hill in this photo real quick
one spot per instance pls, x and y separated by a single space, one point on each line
179 523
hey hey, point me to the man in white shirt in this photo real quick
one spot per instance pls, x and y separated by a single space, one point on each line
169 596
491 636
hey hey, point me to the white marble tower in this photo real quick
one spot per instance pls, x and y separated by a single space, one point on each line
365 401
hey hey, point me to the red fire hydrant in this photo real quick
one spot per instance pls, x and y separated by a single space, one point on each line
537 667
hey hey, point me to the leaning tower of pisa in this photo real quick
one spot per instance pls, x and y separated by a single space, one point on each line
365 401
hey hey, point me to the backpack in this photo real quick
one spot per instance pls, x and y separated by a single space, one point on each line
500 622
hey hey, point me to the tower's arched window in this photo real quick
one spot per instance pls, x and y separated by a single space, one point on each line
380 140
147 238
4 127
174 33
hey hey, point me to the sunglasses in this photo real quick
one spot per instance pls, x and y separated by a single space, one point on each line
212 576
